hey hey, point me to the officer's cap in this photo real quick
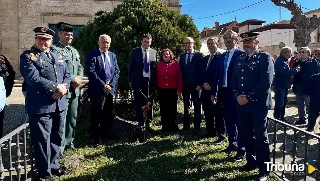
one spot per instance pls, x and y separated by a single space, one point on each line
248 36
65 27
43 32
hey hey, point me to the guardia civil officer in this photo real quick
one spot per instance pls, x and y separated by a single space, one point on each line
47 82
251 88
72 57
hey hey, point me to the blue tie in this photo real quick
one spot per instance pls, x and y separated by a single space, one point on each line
225 69
145 62
107 66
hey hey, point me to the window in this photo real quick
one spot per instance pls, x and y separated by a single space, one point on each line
76 29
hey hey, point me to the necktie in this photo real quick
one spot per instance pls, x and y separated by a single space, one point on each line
48 55
209 61
107 66
225 69
189 57
247 58
145 62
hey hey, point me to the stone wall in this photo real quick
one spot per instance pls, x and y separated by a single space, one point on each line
19 17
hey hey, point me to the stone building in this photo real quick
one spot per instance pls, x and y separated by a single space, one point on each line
19 17
315 35
217 33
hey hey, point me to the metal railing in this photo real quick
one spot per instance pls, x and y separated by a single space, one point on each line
292 146
16 166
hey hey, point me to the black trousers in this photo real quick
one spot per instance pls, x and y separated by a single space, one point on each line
213 115
313 115
168 108
102 116
1 123
140 100
194 94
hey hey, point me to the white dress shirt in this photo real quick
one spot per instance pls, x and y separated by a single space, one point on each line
187 57
103 60
145 74
229 60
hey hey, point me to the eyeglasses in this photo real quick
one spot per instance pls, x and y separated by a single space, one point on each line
303 52
317 54
188 42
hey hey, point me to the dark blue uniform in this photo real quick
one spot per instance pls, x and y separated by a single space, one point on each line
253 77
42 74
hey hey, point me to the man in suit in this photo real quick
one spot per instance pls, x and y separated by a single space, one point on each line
8 74
103 73
212 112
142 79
47 79
190 64
251 88
313 90
76 70
225 75
282 81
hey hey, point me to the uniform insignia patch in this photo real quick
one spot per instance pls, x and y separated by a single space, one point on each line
32 57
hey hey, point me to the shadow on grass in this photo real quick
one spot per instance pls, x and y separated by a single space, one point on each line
165 156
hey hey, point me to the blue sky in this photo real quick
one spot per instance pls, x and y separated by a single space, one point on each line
265 10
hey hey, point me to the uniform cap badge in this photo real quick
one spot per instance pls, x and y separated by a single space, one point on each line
43 30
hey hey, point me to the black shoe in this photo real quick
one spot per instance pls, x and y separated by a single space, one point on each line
310 129
238 158
247 168
219 141
59 172
95 143
40 179
263 177
229 149
300 122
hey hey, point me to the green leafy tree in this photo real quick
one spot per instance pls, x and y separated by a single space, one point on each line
128 22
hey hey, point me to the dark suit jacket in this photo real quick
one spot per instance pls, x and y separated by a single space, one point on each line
96 73
42 76
191 71
283 73
220 72
208 75
135 71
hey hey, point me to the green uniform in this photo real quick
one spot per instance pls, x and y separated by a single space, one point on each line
76 69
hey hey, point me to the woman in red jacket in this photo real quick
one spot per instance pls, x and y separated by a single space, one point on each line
169 84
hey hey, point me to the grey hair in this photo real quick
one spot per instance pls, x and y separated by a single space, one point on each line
233 34
306 48
105 35
285 50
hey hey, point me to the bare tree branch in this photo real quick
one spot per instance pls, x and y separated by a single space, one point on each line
288 4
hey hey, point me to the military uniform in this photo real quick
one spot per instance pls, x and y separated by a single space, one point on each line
76 69
43 72
253 77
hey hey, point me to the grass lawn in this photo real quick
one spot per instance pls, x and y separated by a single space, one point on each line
163 157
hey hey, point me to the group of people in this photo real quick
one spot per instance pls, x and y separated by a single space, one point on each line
300 72
232 86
